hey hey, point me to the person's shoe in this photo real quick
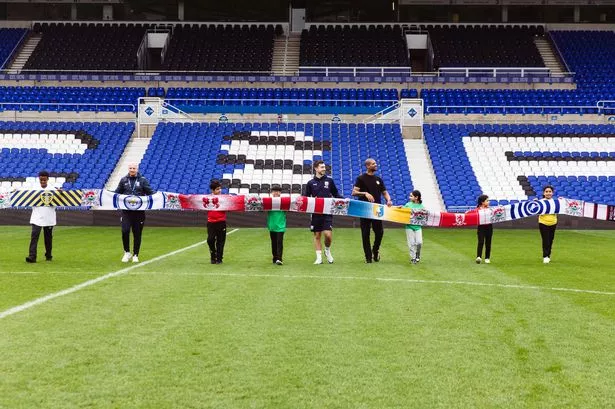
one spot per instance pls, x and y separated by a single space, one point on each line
218 261
30 260
414 261
213 261
126 257
546 260
279 262
135 259
329 256
418 259
487 261
478 260
368 261
318 261
376 254
49 258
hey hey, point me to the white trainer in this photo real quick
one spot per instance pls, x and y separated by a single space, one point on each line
478 260
546 260
126 257
135 259
487 261
329 256
318 261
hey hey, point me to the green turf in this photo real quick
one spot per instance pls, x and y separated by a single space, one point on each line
181 333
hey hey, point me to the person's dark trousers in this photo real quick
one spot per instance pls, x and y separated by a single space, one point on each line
485 233
277 244
48 237
216 237
547 233
366 226
132 220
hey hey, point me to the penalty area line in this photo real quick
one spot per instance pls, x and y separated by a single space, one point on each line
89 283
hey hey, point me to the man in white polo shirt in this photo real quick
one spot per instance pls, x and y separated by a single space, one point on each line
42 218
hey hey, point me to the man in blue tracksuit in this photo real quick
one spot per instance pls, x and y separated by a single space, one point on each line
321 186
137 185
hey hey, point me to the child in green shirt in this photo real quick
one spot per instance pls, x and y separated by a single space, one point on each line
414 233
276 223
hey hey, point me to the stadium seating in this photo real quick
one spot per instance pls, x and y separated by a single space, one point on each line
222 48
353 46
485 46
589 54
9 39
250 157
281 100
86 47
514 162
63 98
77 154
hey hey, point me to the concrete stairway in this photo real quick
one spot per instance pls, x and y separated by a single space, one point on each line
24 53
549 56
286 55
132 154
421 171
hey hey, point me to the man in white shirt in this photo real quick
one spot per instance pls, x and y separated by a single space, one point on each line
43 217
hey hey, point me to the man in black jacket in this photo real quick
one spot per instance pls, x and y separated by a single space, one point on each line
137 185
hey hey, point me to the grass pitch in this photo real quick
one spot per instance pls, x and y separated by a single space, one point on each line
178 332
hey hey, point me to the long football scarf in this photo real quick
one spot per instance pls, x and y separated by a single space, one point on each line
97 199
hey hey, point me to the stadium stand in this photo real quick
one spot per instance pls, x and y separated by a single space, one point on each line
281 100
63 98
9 40
513 162
249 158
589 54
485 46
77 154
213 49
353 46
86 47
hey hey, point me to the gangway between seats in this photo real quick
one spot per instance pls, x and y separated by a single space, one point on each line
152 110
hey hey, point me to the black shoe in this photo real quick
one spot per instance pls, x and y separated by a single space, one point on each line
30 260
218 261
213 261
368 261
278 262
49 258
376 255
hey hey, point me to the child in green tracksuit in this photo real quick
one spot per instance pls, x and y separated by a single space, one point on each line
414 233
276 223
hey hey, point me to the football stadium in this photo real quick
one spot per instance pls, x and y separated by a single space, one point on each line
307 204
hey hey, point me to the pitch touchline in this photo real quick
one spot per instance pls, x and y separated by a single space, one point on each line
403 280
96 280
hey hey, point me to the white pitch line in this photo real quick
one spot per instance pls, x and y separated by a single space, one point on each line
403 280
85 284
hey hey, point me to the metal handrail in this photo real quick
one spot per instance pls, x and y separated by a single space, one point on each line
485 107
493 70
58 104
242 100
